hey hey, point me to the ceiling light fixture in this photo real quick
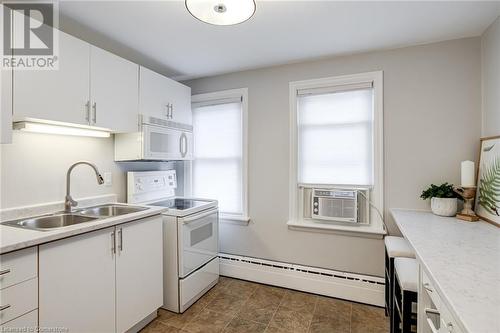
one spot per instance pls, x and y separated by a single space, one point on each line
57 129
221 12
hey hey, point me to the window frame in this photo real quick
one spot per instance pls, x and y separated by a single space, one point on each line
377 197
242 93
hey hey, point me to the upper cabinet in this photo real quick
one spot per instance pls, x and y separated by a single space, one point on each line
57 95
91 87
114 84
6 106
164 98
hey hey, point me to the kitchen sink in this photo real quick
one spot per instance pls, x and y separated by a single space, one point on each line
49 222
60 220
109 210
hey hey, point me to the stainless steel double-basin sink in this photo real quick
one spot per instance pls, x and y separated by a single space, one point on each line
63 219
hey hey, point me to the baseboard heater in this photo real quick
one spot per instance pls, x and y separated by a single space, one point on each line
349 286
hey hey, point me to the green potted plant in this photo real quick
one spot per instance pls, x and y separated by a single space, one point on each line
444 199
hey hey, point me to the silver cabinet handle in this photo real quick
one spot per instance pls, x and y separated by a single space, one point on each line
169 110
5 271
433 312
113 242
94 109
120 239
172 111
87 112
4 307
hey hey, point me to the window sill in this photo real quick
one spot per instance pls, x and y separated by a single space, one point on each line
231 219
366 231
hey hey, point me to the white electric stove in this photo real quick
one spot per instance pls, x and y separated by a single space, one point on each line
190 237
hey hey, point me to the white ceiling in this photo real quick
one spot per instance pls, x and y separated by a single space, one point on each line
162 35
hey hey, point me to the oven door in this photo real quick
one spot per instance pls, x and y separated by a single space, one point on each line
198 240
165 143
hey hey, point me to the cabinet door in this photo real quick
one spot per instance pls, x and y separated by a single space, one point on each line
139 271
114 91
152 94
57 95
164 98
179 97
6 106
77 283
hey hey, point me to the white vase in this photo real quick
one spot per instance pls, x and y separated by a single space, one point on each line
444 206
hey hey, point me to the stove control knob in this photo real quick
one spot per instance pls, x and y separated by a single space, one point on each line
315 210
315 204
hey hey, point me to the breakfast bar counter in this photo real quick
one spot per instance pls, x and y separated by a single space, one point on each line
462 261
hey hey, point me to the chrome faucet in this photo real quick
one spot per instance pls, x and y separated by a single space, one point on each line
69 202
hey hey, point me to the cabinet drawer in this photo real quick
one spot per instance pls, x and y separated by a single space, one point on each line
18 300
27 321
18 266
447 324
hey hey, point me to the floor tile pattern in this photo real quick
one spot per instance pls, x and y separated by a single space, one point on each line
237 306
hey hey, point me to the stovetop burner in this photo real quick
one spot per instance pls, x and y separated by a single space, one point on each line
180 204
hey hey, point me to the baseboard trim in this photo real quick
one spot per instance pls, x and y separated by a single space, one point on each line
349 286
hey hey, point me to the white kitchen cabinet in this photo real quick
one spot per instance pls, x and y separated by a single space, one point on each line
139 272
433 314
77 283
6 106
18 288
164 98
56 95
103 281
114 84
28 322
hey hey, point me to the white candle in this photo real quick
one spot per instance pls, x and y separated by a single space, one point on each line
468 174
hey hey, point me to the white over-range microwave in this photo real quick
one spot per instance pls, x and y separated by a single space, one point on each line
157 140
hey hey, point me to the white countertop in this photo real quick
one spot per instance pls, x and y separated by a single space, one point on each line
12 238
462 259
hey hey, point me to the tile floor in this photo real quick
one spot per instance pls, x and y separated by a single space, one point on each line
245 307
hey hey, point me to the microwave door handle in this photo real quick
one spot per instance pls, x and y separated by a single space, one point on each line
183 144
180 144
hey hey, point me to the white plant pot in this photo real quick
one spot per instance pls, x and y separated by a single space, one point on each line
444 206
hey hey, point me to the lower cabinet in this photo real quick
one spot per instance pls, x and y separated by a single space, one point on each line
139 271
103 281
433 315
19 290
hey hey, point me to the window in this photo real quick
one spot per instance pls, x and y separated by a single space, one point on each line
335 136
336 141
219 165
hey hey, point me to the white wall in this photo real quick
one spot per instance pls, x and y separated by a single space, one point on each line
33 168
432 122
491 79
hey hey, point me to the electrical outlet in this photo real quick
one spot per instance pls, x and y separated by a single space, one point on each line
108 179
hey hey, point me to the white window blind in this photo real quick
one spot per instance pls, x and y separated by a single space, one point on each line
217 168
335 136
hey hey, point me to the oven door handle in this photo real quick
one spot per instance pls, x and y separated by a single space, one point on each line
192 218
